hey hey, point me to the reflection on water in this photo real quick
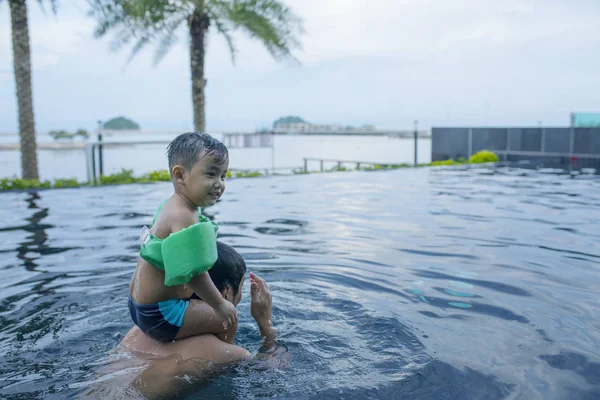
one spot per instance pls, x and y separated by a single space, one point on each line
451 283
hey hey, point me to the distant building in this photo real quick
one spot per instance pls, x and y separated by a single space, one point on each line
295 125
292 127
289 123
368 128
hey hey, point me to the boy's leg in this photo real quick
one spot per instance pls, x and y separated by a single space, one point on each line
200 318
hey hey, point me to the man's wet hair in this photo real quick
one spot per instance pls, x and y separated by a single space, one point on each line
186 149
229 268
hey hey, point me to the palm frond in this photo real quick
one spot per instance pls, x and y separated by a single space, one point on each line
53 5
142 21
225 30
139 45
270 22
148 21
169 38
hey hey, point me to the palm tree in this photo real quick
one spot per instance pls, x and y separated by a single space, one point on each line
147 21
22 65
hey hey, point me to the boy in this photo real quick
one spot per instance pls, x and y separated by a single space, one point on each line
180 247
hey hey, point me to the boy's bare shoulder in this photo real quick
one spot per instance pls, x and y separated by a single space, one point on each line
180 218
173 219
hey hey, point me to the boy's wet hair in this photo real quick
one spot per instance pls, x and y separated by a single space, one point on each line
229 268
185 149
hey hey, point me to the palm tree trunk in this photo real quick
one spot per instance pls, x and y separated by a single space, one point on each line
22 66
198 25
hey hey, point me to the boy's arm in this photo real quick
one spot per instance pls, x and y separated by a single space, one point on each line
204 287
201 284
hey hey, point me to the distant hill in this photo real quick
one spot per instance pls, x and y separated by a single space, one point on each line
121 123
288 120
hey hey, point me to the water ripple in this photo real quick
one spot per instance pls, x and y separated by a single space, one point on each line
425 283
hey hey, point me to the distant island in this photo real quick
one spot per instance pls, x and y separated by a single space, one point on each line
62 134
288 120
121 124
294 124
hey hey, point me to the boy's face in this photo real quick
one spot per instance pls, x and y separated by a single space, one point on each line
205 183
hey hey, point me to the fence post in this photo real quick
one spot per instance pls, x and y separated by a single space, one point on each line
305 166
89 163
572 142
470 144
416 141
572 136
543 144
321 165
93 164
273 151
100 158
507 145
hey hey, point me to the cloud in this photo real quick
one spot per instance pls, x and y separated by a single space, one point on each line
385 62
50 38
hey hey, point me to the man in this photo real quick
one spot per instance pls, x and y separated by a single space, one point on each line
196 354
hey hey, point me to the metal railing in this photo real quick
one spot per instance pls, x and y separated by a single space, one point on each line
95 167
339 163
90 155
232 140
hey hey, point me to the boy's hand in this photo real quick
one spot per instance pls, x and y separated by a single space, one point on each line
227 312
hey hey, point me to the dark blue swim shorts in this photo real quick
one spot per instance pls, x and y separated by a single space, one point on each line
161 321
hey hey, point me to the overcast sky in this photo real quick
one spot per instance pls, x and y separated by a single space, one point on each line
383 62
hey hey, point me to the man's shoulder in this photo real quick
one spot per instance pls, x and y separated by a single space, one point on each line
210 347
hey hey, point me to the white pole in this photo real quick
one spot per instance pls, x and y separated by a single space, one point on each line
88 160
416 133
272 152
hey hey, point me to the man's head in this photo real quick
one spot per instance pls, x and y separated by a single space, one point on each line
198 164
228 273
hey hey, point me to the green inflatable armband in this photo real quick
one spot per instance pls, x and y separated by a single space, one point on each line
191 251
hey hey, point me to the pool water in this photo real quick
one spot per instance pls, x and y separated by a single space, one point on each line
452 283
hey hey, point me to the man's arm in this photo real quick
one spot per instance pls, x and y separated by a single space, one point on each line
261 309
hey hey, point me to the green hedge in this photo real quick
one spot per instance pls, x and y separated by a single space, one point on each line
125 176
483 156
